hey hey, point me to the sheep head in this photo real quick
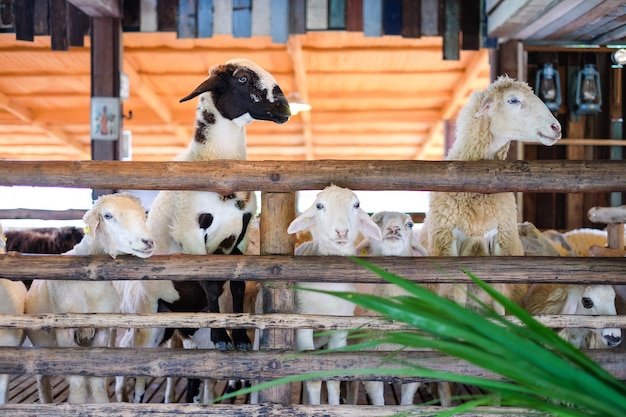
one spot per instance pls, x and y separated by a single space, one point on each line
117 225
397 235
335 220
242 91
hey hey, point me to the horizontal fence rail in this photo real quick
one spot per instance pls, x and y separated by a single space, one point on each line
226 176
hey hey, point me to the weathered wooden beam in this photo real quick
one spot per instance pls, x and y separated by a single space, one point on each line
99 8
451 31
59 25
25 20
224 176
510 269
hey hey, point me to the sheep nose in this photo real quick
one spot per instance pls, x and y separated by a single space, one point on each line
394 229
148 242
342 233
556 127
612 340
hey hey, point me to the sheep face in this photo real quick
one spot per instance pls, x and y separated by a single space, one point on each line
593 300
117 223
396 231
243 91
514 112
464 245
336 219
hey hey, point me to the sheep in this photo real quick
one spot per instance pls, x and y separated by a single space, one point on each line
12 301
398 239
507 110
117 226
335 219
581 300
201 222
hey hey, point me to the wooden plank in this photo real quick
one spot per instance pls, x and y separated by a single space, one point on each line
41 18
470 24
280 21
79 26
411 11
392 17
7 15
372 17
99 8
607 214
354 15
186 19
261 17
316 14
432 17
25 20
131 17
205 18
166 14
223 17
297 16
59 32
451 35
148 19
337 14
242 18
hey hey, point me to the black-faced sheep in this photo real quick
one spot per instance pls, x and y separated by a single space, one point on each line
335 219
117 226
12 301
200 222
46 240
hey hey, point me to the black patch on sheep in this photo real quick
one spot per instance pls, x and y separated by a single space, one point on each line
229 197
225 245
205 220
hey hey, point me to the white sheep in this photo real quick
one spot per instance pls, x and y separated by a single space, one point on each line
335 219
12 301
398 239
116 225
201 222
581 300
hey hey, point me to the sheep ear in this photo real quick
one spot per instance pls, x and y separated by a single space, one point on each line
304 221
485 107
367 227
92 220
570 305
209 84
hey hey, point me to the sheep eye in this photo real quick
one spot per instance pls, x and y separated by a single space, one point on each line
242 79
107 216
514 100
319 206
587 302
409 225
357 205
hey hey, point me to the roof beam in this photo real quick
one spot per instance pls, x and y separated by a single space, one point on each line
98 8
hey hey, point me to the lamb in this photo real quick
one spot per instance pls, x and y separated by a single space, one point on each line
507 110
336 219
581 300
397 240
117 226
12 301
200 222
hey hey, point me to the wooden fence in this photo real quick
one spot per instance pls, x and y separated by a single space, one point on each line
276 268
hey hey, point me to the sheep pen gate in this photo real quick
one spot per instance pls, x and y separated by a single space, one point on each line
276 268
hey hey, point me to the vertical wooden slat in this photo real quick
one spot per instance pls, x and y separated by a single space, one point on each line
79 26
411 19
392 17
430 18
205 18
372 17
186 19
337 14
166 15
106 51
148 17
451 38
277 211
242 18
280 21
354 15
59 33
470 24
25 20
7 14
131 15
297 16
261 17
223 17
41 18
316 15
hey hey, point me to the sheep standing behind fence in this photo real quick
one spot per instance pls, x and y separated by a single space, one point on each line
205 223
335 219
117 226
12 301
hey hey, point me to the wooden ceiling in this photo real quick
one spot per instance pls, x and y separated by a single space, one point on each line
378 98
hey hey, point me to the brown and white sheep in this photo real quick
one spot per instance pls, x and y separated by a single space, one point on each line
12 301
335 219
117 226
205 223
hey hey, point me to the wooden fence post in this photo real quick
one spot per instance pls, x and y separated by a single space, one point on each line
277 211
